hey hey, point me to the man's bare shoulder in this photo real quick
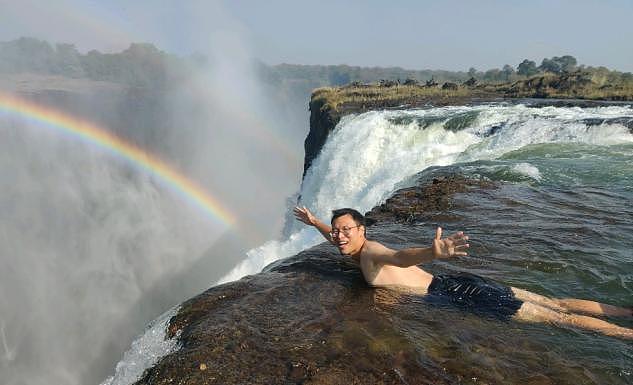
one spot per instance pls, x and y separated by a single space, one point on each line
369 256
372 249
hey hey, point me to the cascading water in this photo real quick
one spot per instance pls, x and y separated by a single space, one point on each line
145 351
370 155
367 157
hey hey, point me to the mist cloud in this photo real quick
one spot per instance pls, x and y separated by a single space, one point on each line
91 249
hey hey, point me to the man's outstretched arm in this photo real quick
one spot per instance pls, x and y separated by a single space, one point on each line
451 246
304 215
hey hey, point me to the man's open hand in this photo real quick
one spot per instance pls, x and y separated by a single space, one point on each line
454 245
304 215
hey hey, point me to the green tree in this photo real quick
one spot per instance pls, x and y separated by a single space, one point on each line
558 64
493 75
527 68
27 54
567 63
68 61
507 71
550 65
338 77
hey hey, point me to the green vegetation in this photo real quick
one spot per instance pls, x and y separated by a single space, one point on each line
596 84
143 65
603 83
333 98
591 84
139 65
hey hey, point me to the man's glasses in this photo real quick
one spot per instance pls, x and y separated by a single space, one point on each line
345 230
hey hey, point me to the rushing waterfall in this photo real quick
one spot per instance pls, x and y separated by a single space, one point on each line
370 155
565 157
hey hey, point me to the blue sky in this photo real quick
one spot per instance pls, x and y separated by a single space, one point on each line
453 35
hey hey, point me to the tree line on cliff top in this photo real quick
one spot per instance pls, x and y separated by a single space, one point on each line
145 65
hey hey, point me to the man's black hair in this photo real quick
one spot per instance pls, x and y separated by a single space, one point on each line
356 216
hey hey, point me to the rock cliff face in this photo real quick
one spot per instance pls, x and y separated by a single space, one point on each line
322 121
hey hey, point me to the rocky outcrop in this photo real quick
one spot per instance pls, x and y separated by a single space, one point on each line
309 319
573 84
409 204
323 119
471 82
626 122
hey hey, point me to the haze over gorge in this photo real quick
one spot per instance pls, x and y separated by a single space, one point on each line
144 193
94 245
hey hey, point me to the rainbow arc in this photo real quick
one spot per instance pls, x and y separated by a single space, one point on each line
91 133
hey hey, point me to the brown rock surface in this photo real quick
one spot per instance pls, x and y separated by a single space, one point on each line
408 204
309 319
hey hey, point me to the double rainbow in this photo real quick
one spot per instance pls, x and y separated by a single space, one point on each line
141 159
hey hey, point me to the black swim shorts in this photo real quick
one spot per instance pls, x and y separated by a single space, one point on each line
475 293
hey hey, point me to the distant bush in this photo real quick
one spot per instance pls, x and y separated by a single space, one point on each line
139 65
559 65
144 65
527 68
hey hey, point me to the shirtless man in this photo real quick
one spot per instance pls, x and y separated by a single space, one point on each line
382 266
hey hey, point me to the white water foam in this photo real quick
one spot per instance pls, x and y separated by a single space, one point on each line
145 351
522 126
527 170
365 158
367 155
359 165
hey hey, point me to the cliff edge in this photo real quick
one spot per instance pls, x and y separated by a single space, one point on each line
311 319
329 104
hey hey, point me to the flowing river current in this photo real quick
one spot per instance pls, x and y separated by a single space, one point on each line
560 223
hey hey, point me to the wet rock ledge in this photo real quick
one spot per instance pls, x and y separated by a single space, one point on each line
309 319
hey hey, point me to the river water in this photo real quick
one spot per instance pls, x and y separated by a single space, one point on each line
559 223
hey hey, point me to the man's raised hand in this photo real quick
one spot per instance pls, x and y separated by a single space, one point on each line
304 215
454 245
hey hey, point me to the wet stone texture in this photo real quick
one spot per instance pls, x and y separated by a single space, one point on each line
435 196
309 319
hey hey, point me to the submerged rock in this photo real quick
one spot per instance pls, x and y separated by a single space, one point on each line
408 204
309 319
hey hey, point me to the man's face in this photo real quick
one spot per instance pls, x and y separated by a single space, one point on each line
347 235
